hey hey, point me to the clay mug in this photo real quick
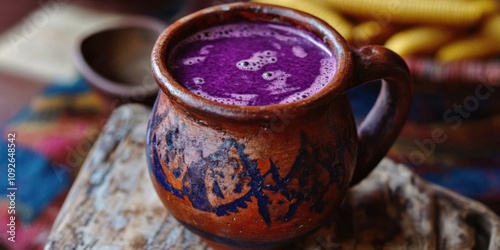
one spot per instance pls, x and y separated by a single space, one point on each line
262 176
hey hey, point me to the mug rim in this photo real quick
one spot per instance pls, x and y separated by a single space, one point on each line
252 12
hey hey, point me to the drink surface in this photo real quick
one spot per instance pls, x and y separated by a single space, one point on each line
252 64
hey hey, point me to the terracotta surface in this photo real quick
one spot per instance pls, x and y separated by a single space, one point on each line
250 176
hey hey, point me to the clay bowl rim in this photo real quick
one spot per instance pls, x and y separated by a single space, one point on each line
249 11
102 83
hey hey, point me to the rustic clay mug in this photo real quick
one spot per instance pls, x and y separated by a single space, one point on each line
262 176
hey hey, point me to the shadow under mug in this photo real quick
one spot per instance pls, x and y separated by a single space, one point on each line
282 169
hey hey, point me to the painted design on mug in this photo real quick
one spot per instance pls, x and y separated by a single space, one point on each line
233 180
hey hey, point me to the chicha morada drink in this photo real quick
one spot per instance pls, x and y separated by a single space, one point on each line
253 64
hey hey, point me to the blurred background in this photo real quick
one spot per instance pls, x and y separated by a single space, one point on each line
61 62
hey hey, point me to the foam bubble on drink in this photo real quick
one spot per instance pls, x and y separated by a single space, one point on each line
198 80
278 84
205 49
258 60
328 65
243 98
271 75
193 60
235 99
299 52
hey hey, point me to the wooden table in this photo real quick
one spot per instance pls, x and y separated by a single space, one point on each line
112 205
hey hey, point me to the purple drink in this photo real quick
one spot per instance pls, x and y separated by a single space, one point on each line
253 64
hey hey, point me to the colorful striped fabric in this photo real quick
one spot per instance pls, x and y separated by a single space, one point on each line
54 133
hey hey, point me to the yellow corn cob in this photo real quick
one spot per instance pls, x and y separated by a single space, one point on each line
371 32
441 12
491 28
469 48
485 43
419 40
325 13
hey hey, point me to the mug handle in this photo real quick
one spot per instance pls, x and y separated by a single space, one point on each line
382 125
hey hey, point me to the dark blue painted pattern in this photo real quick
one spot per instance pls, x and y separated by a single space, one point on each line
159 174
311 161
216 190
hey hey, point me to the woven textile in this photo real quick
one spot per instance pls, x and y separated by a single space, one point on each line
53 135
